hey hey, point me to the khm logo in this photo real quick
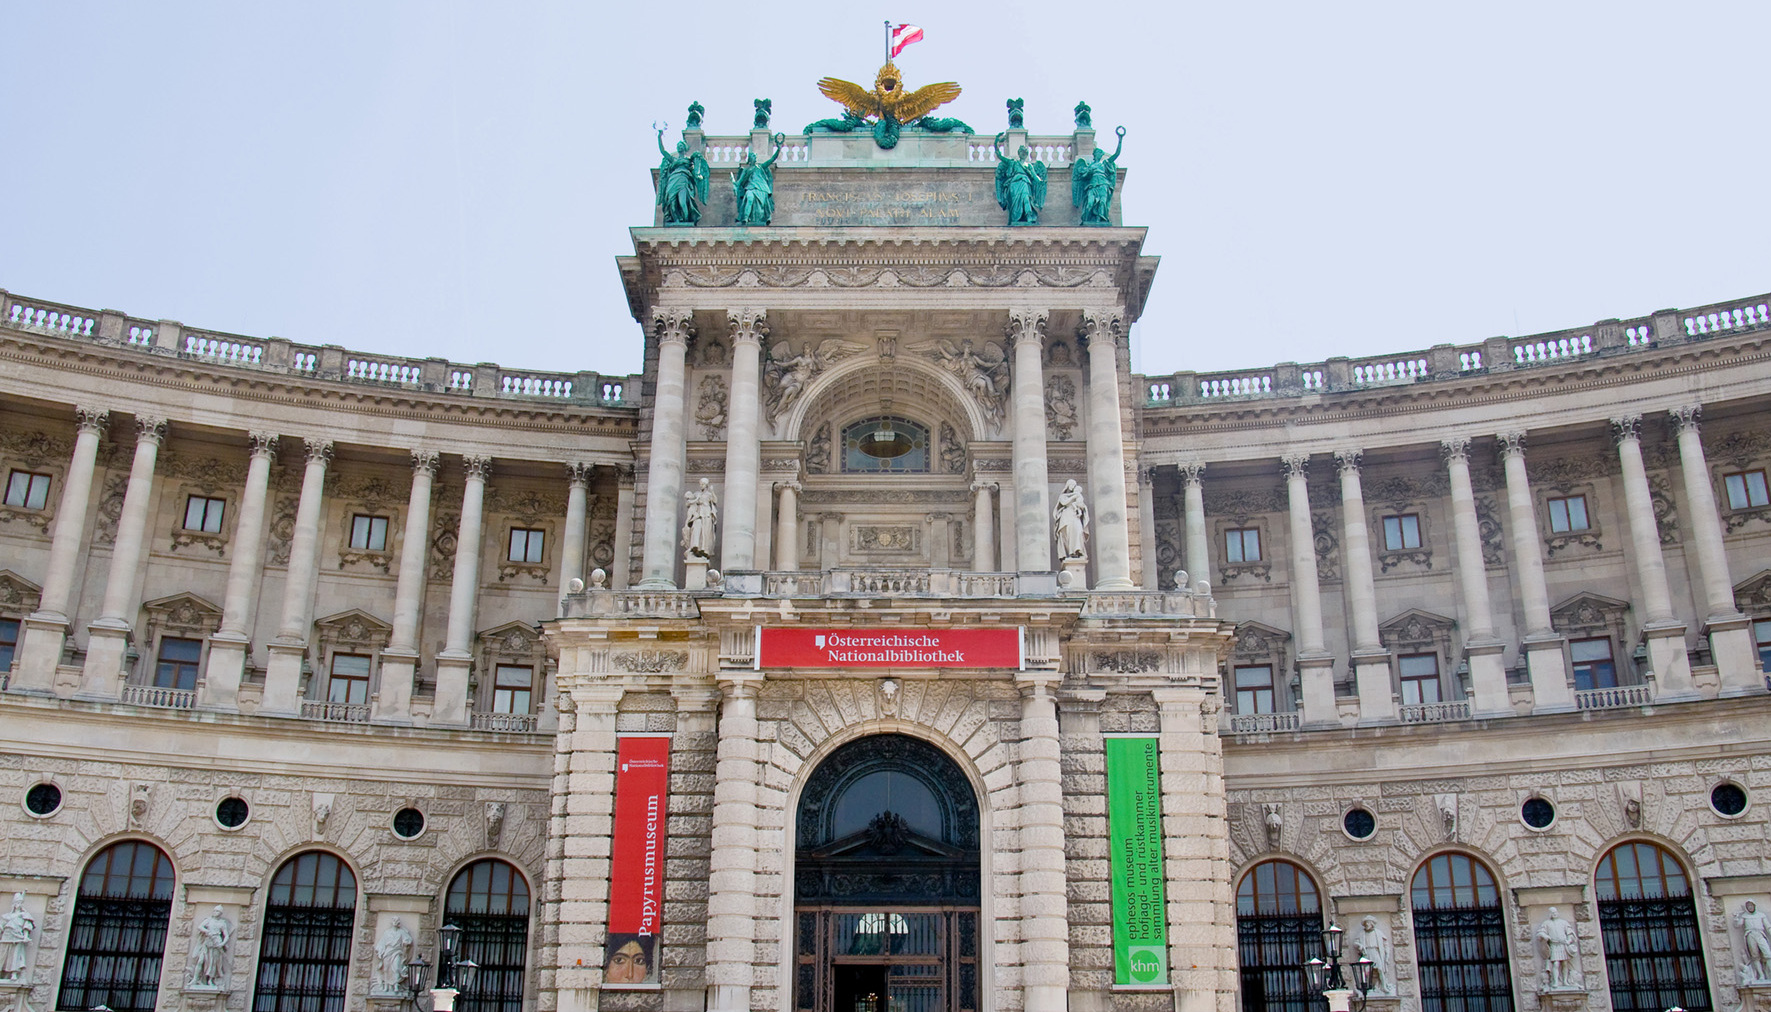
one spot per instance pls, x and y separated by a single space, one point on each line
818 641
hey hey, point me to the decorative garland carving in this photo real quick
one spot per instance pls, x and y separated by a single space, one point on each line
1060 406
651 661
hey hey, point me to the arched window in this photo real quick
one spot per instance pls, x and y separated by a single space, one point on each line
1278 928
118 937
304 961
1460 940
489 902
1653 954
885 444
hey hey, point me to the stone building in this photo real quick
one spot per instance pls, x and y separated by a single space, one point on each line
311 651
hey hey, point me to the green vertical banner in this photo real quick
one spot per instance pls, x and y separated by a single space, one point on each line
1134 829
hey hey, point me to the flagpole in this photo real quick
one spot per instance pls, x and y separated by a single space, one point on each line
888 31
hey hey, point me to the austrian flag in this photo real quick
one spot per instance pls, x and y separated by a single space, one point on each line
903 35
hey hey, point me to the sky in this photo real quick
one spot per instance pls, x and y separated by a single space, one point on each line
452 179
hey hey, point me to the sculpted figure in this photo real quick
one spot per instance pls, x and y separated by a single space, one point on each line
682 183
1020 184
984 372
16 927
764 108
1755 951
1070 522
1370 942
392 951
1092 181
1558 944
698 522
209 955
785 374
754 187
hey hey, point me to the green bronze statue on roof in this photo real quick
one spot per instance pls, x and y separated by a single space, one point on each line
753 186
1020 184
1092 181
682 183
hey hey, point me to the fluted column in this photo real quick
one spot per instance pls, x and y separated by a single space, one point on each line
282 679
983 527
1544 654
1664 633
107 638
743 447
229 647
1045 912
1102 330
1488 673
787 527
1033 522
1315 663
46 629
455 660
731 885
1198 557
1371 662
664 475
399 662
577 510
1730 633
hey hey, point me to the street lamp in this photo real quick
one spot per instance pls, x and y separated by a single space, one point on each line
1324 974
417 971
454 975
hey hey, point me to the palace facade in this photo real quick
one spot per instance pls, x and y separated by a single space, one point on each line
310 651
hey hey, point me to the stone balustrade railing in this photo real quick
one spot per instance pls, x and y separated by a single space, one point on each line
1449 361
322 362
875 583
1264 723
341 713
727 151
1434 713
1616 697
1169 603
601 603
154 695
481 721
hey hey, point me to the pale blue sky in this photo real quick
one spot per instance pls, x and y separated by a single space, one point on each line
455 180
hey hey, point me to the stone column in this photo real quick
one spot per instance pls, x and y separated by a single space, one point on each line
577 509
1315 663
575 918
1488 673
1045 920
621 568
1544 654
399 662
787 527
1201 905
107 638
983 527
664 474
46 629
456 659
743 446
731 886
1730 633
1033 521
1198 557
229 647
282 677
1371 662
1106 450
1664 632
1148 567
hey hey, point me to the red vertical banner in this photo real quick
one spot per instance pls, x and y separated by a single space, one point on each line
636 865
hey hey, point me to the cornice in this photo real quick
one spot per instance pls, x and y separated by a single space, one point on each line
882 241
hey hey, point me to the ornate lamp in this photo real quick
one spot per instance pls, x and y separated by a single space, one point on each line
1315 974
466 972
417 970
448 968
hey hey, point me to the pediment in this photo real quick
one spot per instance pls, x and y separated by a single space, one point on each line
511 638
355 628
1257 639
1416 626
18 594
1751 595
1587 610
185 613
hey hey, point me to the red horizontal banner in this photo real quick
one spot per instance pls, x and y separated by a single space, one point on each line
888 648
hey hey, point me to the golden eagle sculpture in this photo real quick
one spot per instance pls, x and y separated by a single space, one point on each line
888 107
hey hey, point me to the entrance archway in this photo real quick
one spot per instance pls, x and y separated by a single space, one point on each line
886 881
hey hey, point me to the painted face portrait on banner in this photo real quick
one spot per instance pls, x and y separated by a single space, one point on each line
628 959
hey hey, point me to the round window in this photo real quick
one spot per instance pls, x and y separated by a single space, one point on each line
1538 813
1728 799
408 823
231 813
43 800
1359 823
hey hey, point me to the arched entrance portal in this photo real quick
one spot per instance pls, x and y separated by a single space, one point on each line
886 882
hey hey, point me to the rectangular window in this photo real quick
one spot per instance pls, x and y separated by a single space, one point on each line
9 642
1761 633
1402 532
177 664
1420 678
1254 688
1569 513
369 533
1746 489
1242 544
350 679
27 489
512 687
202 513
1593 667
526 544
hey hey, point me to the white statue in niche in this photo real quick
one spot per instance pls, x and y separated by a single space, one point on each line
1370 942
1070 522
209 952
1559 946
392 951
698 522
16 927
1755 948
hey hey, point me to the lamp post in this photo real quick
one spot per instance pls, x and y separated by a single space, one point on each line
1324 974
417 971
454 974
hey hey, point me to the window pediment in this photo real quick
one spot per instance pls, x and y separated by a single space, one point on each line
1752 595
1417 629
184 615
17 594
1589 613
355 629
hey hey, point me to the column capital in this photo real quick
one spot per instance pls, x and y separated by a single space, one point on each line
1455 450
426 461
1026 325
319 451
983 485
739 687
1510 444
674 326
1685 416
1626 429
579 473
1038 684
1108 322
93 420
1348 461
790 485
264 444
695 698
1192 472
748 325
1296 465
150 429
476 467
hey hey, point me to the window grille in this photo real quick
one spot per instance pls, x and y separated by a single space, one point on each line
118 936
489 902
1460 938
304 959
1278 929
1648 923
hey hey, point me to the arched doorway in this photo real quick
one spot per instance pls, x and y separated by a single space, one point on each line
118 937
489 902
304 961
1653 953
886 882
1460 939
1278 928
